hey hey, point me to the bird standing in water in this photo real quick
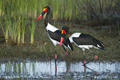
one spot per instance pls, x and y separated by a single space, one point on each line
86 41
56 36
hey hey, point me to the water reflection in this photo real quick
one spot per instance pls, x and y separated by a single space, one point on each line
60 70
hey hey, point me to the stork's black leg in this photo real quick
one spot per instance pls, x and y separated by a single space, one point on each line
91 52
65 50
55 54
84 56
91 60
95 56
55 68
55 61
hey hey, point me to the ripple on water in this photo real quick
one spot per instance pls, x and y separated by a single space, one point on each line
65 70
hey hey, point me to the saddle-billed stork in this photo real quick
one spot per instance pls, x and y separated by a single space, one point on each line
86 41
55 35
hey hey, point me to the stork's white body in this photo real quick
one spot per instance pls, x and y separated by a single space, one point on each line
52 29
83 46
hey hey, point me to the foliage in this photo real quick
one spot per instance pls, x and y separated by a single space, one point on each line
15 14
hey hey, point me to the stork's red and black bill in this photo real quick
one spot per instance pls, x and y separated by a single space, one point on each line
61 40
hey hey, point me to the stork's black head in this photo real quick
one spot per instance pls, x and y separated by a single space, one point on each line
46 9
65 28
64 32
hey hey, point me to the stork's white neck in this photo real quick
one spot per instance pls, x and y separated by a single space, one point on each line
51 27
74 35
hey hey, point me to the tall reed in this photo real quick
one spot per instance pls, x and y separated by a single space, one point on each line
34 9
13 31
23 30
32 30
11 10
6 30
0 8
19 30
56 8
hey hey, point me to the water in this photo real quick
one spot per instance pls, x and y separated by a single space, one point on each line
60 70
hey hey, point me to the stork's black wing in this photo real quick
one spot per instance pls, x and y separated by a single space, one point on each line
57 36
85 39
67 43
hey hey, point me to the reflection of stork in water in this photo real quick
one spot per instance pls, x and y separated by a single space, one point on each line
55 69
85 67
67 65
68 70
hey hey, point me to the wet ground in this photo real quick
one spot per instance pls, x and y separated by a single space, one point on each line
46 70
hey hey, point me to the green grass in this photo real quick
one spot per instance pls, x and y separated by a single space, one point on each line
43 49
32 30
23 30
17 21
12 10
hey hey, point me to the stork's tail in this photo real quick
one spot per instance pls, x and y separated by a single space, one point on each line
69 45
100 45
